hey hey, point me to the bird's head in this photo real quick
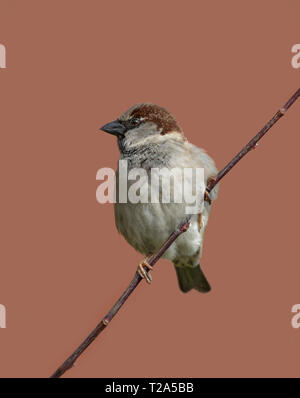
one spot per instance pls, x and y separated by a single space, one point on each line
144 124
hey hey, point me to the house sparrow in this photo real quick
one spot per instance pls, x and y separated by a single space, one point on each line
149 137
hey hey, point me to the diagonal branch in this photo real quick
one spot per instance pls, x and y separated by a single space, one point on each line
252 144
69 362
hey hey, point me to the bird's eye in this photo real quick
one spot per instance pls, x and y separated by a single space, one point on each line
135 121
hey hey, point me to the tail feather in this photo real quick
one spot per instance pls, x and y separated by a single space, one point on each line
192 278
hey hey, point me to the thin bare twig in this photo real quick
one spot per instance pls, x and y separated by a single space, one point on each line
252 144
69 362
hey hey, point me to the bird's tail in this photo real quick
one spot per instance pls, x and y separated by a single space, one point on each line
192 278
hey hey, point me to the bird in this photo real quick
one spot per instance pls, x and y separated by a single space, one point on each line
149 137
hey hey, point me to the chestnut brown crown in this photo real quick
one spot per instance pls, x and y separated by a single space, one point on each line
147 112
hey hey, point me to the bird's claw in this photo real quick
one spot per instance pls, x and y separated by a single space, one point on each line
143 272
207 197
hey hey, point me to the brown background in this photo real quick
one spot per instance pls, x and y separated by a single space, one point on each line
223 68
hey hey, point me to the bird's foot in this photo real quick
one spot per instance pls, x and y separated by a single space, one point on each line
143 270
207 197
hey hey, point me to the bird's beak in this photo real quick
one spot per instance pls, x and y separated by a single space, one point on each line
115 128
